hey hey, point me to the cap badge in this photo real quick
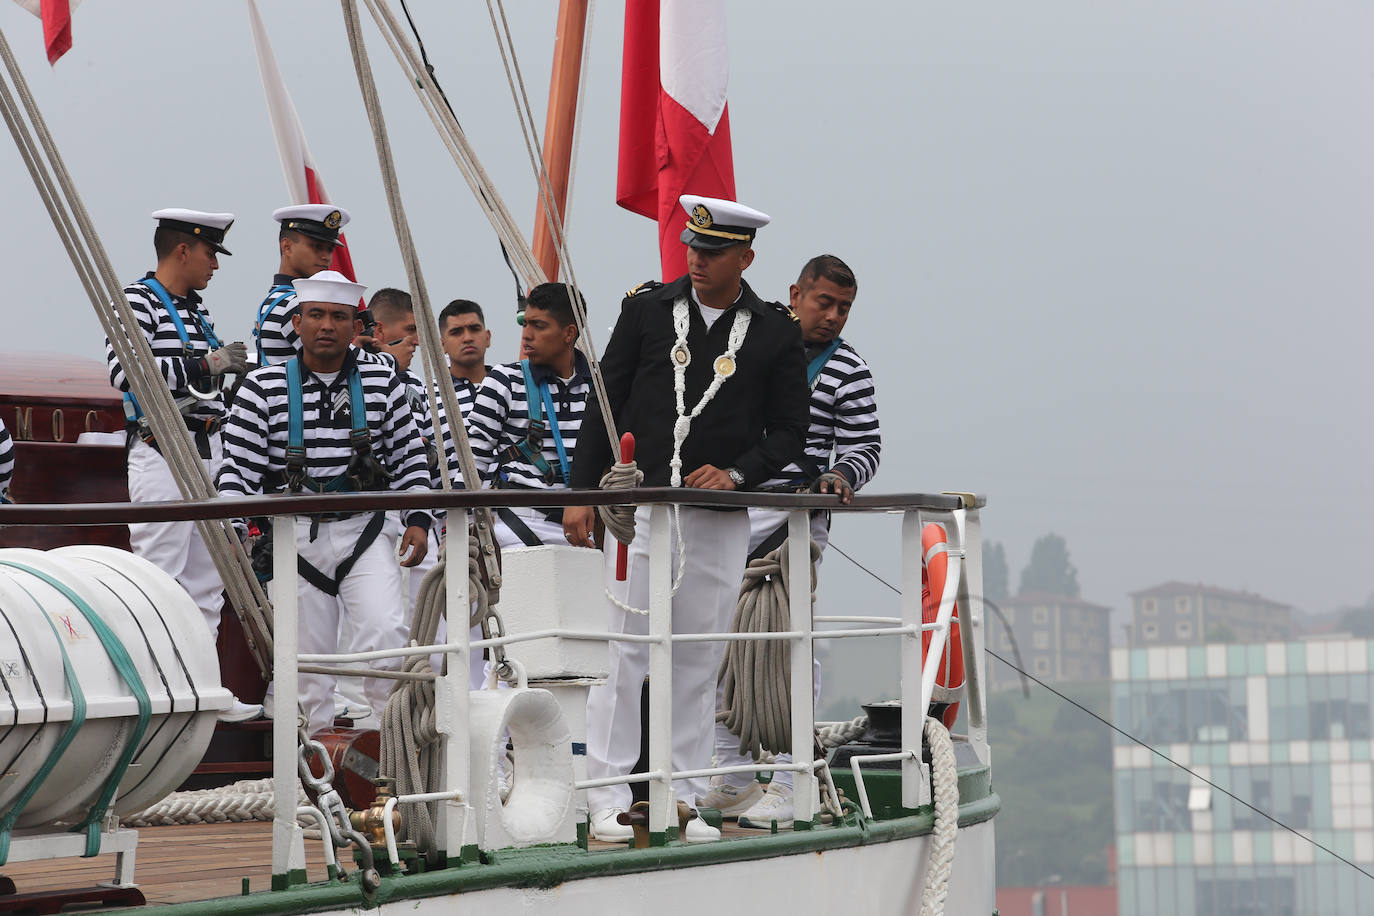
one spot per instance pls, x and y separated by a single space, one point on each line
333 219
725 367
701 217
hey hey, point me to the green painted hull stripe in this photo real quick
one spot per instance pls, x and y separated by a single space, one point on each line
549 866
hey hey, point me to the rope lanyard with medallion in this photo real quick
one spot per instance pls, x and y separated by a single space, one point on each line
681 357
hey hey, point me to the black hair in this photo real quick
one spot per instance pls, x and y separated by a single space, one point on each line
166 240
829 267
462 307
553 298
389 304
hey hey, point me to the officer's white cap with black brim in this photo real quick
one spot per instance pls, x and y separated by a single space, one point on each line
716 223
329 286
209 227
323 222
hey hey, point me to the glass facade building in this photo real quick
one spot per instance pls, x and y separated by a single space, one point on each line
1285 726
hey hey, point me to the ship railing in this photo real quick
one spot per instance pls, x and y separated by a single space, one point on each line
958 514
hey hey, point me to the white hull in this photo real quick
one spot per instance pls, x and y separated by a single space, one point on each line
873 880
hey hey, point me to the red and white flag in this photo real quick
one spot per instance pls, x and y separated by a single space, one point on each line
674 122
303 183
57 24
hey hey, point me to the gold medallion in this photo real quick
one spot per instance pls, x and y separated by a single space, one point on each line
681 355
725 367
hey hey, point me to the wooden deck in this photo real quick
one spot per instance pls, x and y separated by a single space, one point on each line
196 862
176 864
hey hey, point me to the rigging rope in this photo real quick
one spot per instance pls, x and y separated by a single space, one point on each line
421 73
132 349
424 316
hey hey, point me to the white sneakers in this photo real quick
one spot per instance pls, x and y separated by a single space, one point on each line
698 831
728 800
350 711
343 709
775 807
607 829
241 712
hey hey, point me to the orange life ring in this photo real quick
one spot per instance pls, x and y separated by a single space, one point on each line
949 680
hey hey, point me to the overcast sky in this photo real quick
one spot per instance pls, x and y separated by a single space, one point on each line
1113 259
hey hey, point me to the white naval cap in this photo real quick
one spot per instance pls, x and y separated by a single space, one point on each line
717 223
208 226
329 286
319 221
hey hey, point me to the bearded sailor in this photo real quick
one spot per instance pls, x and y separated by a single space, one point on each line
526 416
843 448
327 422
193 361
712 382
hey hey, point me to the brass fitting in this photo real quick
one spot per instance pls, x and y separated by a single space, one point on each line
371 821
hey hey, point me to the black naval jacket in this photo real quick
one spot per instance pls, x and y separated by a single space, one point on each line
757 420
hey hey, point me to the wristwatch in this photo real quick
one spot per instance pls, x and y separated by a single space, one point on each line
736 476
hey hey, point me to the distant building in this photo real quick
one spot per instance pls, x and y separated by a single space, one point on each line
1285 726
1059 638
1057 900
1180 614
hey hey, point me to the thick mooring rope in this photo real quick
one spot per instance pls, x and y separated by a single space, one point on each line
945 780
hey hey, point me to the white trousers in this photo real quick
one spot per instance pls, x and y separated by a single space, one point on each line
369 600
548 532
716 543
762 523
175 548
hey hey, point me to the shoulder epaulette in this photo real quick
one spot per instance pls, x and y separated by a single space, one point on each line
785 310
644 287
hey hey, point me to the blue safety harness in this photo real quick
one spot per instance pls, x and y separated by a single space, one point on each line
133 413
275 295
362 473
539 404
295 477
813 368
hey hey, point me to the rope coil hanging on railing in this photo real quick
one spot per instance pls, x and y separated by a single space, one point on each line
756 674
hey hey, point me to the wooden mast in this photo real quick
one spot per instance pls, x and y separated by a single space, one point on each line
559 125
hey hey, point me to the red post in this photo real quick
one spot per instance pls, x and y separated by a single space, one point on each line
622 551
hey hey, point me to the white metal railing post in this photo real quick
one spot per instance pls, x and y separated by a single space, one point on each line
451 697
798 572
662 811
914 790
288 839
972 633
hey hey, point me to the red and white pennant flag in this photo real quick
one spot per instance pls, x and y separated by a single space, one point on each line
303 183
57 24
674 121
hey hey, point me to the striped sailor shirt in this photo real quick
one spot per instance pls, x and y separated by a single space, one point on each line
466 391
844 423
277 341
179 368
500 419
6 459
255 433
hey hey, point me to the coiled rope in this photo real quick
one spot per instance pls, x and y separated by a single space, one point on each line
756 674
